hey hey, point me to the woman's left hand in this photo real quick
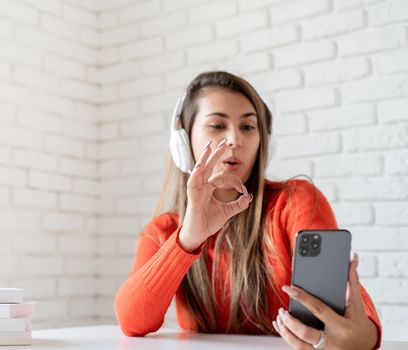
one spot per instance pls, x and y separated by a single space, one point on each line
354 330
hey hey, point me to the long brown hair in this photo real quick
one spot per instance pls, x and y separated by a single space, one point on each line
249 273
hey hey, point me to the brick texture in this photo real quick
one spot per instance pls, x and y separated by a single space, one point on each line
86 92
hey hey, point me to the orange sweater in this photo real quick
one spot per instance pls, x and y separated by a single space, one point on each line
160 263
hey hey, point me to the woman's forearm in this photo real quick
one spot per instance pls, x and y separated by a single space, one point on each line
144 298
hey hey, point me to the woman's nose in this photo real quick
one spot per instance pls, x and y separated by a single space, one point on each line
233 140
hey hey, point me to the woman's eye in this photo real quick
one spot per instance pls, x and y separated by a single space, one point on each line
217 126
245 127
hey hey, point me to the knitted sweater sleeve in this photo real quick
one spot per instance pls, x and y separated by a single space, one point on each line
307 208
157 271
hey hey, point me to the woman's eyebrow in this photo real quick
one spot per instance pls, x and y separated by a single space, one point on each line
224 115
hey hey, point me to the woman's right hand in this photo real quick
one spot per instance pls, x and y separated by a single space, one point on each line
205 215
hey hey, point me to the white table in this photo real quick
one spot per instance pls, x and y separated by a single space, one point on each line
110 337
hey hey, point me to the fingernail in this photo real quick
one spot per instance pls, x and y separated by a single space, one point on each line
356 258
279 321
244 190
222 143
282 313
290 291
207 145
251 197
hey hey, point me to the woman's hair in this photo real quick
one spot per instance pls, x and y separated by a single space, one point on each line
250 273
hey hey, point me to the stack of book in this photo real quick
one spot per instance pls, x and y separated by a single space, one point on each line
15 317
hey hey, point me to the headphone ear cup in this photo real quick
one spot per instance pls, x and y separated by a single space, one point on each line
179 141
185 151
180 150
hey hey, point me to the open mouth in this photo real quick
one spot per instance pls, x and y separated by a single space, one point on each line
232 163
232 166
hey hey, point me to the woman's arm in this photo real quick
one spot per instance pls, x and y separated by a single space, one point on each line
143 299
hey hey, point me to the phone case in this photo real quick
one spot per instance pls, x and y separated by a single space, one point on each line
323 271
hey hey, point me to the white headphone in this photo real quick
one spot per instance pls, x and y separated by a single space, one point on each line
180 147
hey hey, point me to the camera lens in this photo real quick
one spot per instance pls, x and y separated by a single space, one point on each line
316 237
305 239
303 251
315 245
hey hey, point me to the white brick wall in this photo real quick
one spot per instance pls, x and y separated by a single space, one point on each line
48 126
86 92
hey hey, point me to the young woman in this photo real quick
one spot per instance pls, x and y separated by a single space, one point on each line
224 247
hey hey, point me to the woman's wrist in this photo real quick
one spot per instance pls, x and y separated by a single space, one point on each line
185 241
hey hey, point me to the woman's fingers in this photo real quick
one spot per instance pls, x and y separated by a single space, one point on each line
289 337
239 205
354 301
354 280
206 162
204 156
307 334
235 207
226 178
195 179
215 156
323 312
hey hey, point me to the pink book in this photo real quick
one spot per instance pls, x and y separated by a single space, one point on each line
17 310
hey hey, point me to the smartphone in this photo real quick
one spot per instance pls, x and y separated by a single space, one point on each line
320 266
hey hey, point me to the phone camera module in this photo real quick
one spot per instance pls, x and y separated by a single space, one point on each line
310 244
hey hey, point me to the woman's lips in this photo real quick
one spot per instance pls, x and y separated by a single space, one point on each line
231 167
232 159
232 163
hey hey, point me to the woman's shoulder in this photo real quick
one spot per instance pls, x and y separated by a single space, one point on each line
164 221
290 186
301 205
161 226
291 191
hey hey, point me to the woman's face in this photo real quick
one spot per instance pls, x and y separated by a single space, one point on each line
226 114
